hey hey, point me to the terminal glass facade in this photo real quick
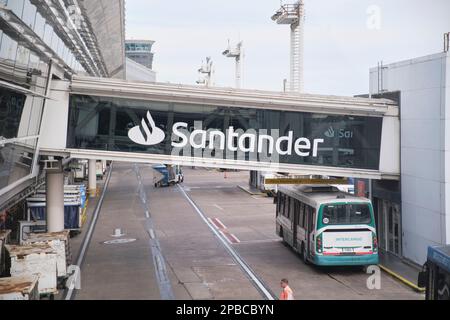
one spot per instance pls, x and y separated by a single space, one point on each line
103 123
22 68
12 51
16 157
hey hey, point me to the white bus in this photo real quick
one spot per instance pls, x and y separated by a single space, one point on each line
327 226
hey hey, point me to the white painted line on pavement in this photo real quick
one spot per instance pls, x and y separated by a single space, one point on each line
245 267
90 231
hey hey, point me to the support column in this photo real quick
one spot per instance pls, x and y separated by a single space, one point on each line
92 178
55 201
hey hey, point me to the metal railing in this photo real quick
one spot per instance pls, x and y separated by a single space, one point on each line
287 10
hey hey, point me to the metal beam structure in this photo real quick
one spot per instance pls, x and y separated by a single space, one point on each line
233 97
62 22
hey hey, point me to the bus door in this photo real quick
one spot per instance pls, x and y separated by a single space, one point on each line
291 215
310 215
301 226
296 212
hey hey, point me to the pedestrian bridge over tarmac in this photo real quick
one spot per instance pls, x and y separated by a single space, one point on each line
92 118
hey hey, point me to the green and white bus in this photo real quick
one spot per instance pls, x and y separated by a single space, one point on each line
327 226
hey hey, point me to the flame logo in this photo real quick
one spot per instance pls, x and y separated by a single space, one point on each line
147 134
330 133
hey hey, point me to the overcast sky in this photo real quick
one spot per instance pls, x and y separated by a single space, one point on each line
342 39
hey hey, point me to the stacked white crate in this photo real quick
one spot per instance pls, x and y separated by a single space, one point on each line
4 238
38 260
19 288
59 241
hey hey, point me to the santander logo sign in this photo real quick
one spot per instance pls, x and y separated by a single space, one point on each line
251 141
147 134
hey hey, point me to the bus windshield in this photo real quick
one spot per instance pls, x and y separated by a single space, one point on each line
346 214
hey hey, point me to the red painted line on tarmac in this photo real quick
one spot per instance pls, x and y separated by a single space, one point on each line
346 254
231 238
215 224
236 240
219 225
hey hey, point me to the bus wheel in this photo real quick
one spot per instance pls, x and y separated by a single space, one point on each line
282 237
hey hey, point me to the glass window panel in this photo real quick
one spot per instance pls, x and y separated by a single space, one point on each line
33 117
23 55
55 42
39 25
71 60
33 62
21 64
48 34
8 48
16 6
38 77
11 107
59 50
346 214
29 13
16 160
64 52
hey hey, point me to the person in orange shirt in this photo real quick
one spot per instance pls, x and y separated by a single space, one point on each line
287 293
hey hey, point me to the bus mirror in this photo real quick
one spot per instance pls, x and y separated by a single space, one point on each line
275 199
423 278
422 281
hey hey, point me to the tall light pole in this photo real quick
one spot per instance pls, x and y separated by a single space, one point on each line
294 15
207 71
236 53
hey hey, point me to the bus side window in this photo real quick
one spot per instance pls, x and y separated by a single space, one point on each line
279 203
314 218
297 212
293 209
282 199
287 207
309 213
301 220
